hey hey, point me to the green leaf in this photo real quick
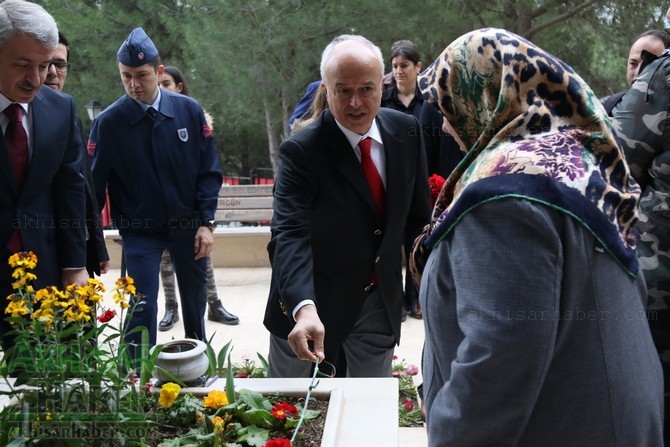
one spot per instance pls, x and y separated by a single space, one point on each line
254 436
263 361
311 414
230 382
170 376
258 417
254 399
221 357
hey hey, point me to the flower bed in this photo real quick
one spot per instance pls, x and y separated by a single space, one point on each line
75 381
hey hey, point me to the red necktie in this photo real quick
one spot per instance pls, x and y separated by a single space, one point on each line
16 140
372 175
17 143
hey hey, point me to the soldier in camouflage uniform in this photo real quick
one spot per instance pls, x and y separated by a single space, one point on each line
654 41
641 121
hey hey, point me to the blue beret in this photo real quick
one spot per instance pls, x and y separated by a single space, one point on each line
137 49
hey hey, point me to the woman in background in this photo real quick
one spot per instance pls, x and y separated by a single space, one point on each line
404 95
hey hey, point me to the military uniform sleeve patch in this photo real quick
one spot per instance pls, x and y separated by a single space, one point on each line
206 131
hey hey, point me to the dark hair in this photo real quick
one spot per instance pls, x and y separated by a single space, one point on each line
63 40
407 49
661 35
178 78
155 62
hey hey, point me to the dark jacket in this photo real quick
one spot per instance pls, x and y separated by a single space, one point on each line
175 184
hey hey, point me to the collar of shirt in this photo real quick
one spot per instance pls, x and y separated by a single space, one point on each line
155 104
376 149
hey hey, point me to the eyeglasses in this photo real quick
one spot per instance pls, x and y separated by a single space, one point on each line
60 66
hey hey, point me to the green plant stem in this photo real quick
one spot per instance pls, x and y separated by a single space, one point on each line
312 385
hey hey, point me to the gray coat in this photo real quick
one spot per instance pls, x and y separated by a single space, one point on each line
535 337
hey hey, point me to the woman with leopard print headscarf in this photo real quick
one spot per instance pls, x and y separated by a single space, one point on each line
533 303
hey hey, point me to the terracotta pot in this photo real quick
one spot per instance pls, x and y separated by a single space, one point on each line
185 359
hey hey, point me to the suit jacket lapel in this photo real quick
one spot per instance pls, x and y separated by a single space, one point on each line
5 168
394 163
39 144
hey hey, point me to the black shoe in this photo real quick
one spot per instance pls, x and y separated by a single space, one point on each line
415 310
216 312
170 318
403 314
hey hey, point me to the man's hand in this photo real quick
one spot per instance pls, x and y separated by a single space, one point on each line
104 266
204 242
308 327
75 276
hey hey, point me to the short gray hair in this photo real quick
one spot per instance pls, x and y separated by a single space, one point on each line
325 56
29 19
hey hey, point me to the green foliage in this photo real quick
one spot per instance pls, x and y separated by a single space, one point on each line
248 61
183 412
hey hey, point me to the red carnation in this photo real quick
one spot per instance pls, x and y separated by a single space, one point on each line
408 404
435 182
281 442
107 316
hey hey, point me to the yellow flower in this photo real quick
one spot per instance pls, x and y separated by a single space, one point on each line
44 315
23 259
52 305
94 290
22 278
120 299
169 393
126 285
218 424
17 308
42 294
215 400
78 311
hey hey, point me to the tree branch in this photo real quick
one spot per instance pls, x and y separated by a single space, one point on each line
559 18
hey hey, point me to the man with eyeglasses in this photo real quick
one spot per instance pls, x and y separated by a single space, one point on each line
97 258
59 65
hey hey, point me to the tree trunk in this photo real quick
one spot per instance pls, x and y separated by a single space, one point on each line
272 140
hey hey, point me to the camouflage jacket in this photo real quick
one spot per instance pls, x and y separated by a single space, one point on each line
642 123
641 119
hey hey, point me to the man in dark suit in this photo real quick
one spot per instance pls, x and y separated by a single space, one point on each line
42 198
336 251
97 258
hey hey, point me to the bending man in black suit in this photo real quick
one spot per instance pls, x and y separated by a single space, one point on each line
41 202
336 291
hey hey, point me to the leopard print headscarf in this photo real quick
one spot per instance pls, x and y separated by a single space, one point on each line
533 129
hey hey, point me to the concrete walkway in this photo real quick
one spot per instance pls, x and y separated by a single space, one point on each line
244 293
